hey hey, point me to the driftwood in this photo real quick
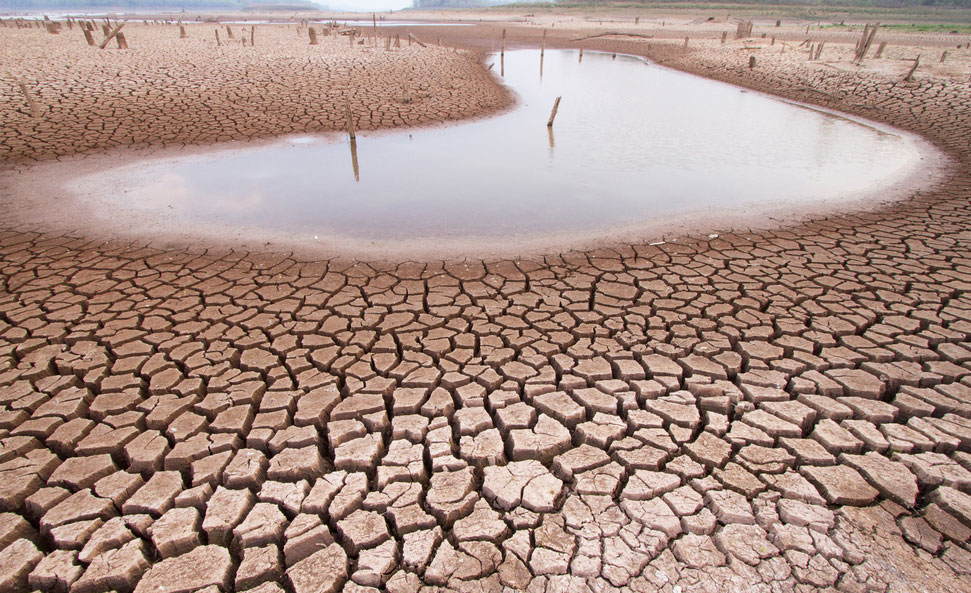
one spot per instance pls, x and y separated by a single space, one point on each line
614 33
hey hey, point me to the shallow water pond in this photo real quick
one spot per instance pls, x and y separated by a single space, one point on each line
633 142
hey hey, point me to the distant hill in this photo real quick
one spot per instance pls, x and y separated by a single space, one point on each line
167 5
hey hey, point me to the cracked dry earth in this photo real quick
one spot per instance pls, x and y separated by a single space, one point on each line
770 411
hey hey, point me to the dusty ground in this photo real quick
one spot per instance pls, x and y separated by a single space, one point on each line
773 411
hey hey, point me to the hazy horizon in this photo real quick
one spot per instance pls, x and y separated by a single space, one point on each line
366 5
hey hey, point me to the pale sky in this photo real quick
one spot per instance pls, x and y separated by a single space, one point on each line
366 5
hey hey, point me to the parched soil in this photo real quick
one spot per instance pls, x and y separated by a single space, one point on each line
783 410
167 91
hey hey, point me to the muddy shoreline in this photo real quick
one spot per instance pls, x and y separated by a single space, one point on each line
51 188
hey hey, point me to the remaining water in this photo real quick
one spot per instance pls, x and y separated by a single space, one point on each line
633 143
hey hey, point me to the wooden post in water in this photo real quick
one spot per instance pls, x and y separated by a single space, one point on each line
502 48
581 56
556 107
354 163
350 119
542 47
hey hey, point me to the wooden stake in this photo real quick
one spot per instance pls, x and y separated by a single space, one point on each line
88 36
943 56
182 34
863 45
879 53
416 40
542 48
354 163
751 62
374 24
313 36
122 42
350 119
910 74
556 107
686 42
252 36
229 32
34 112
502 48
218 43
111 35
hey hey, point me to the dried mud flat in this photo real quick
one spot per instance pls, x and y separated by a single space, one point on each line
756 411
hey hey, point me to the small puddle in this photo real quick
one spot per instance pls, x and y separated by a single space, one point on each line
633 144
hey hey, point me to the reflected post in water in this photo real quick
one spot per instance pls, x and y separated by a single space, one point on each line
549 130
357 169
